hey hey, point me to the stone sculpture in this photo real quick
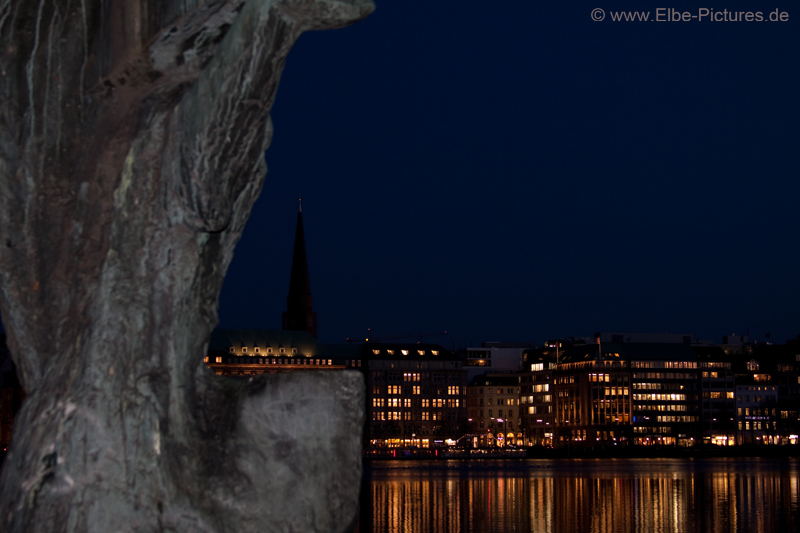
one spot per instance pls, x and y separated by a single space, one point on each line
132 135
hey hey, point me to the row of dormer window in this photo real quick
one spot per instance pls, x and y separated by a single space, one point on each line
258 350
404 352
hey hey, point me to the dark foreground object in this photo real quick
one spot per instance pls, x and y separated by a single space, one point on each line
132 139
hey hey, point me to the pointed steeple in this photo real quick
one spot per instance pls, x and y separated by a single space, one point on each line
299 315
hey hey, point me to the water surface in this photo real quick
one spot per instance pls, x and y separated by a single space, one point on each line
591 495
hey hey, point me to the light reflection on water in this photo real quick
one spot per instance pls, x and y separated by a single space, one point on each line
593 495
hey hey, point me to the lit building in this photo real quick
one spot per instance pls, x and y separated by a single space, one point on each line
782 363
295 347
593 400
537 416
611 394
761 376
718 389
757 413
252 352
493 410
665 396
416 395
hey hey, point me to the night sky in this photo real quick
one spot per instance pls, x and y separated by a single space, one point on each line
515 171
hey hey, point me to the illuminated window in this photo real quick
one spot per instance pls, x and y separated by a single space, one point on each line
376 352
425 415
219 359
537 367
435 352
404 352
205 360
390 352
421 352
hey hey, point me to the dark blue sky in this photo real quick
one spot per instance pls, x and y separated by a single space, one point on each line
527 173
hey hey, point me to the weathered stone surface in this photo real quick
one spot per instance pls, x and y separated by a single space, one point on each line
131 142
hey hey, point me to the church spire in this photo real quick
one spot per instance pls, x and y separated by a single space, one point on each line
299 315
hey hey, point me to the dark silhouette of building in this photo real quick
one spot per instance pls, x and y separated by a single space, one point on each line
298 315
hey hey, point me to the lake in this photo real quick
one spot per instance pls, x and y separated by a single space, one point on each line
582 495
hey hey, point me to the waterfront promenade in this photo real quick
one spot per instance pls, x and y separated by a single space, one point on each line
619 452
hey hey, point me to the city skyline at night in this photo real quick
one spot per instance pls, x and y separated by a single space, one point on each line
528 172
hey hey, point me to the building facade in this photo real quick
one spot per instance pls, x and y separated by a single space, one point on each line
537 414
718 391
416 396
757 413
494 411
253 352
493 357
618 394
